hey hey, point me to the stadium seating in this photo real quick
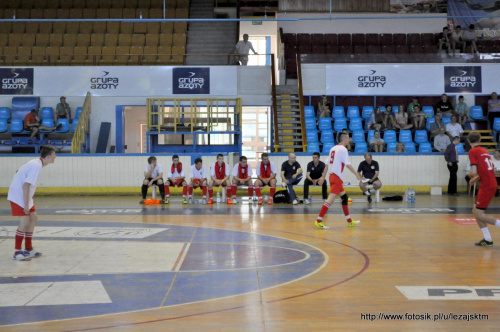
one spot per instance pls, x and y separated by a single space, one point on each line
361 147
391 146
353 112
425 147
313 147
476 113
16 125
410 147
429 122
421 136
338 112
405 136
312 136
339 124
65 126
5 113
309 112
327 136
496 128
309 122
356 124
47 113
390 136
3 125
47 123
327 147
366 112
358 136
371 134
446 120
460 148
325 124
428 110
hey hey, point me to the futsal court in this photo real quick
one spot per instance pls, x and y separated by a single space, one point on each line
111 264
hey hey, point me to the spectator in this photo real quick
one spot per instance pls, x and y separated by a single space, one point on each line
315 176
291 174
376 120
389 121
454 129
444 39
441 141
412 104
32 123
377 144
444 106
457 38
435 126
369 169
493 108
402 119
400 147
470 38
324 110
418 117
462 111
451 157
63 111
242 49
349 145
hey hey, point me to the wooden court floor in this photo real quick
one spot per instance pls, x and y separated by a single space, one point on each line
417 261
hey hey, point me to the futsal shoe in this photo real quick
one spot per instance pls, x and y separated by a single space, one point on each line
260 201
184 201
307 202
32 253
190 201
369 198
235 201
295 202
141 201
166 201
229 201
270 201
210 201
353 223
320 225
21 256
484 243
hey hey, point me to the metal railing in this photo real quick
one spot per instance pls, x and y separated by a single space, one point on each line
82 128
301 104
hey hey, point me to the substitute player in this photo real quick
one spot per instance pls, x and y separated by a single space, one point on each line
176 178
219 178
242 175
337 160
482 170
20 195
266 176
153 176
198 179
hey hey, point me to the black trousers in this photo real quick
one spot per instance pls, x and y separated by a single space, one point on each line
452 183
324 189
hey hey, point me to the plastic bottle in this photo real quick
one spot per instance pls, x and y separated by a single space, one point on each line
310 198
414 196
406 196
255 199
218 197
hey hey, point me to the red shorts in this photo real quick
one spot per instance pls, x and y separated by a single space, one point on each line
223 184
176 183
18 211
484 197
196 183
336 184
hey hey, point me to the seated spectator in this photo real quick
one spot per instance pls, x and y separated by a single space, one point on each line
32 123
457 38
444 106
349 146
400 148
389 121
444 39
401 121
417 117
441 141
412 104
377 144
462 111
376 120
435 126
470 38
493 108
454 129
324 110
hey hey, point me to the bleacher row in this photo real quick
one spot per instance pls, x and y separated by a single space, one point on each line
77 4
321 131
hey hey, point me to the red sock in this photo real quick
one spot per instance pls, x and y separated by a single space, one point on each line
228 192
210 193
235 188
324 210
273 190
190 191
184 191
27 240
257 190
250 191
167 191
346 213
204 190
19 240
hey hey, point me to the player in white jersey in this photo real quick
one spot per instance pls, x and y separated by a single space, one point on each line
242 175
176 178
20 195
337 160
219 177
266 176
153 176
198 179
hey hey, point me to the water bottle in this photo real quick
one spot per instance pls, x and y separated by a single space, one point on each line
254 196
140 15
413 196
406 197
218 197
310 198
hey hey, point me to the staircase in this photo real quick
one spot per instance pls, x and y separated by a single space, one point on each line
209 37
487 139
289 124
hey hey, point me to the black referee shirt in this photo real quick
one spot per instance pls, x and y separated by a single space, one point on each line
368 170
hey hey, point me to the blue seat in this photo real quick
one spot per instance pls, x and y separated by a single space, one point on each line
16 126
325 124
310 123
391 146
327 146
446 120
313 147
405 136
73 126
361 147
460 148
410 147
47 113
371 134
5 113
421 136
64 127
367 111
47 123
496 128
327 136
395 109
382 108
356 124
78 112
353 112
476 113
429 122
339 124
390 137
3 125
312 137
425 147
428 110
358 136
338 112
309 112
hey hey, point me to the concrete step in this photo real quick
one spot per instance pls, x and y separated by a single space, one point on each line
287 89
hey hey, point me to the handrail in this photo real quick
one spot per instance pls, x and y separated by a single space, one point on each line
301 104
275 105
82 127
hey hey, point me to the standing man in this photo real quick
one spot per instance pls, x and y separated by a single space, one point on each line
242 176
219 177
21 193
451 157
176 178
315 175
242 49
482 170
153 176
369 170
291 174
337 160
266 176
63 111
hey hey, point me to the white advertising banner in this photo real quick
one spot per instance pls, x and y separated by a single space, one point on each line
127 81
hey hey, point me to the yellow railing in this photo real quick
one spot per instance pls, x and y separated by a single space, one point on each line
193 114
82 127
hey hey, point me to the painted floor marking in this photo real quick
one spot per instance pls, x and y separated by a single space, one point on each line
87 232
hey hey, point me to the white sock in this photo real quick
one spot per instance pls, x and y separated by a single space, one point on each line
497 223
486 233
367 193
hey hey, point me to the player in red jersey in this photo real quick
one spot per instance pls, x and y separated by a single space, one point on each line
482 170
